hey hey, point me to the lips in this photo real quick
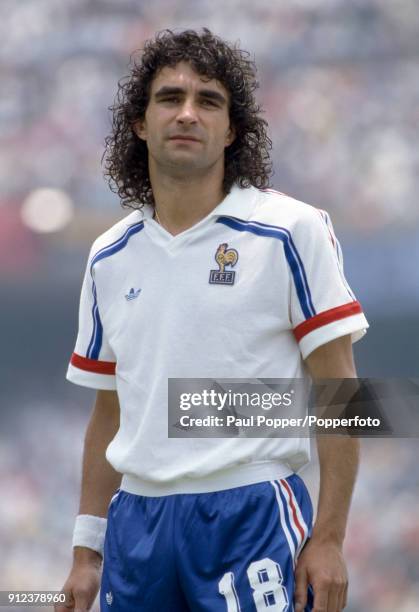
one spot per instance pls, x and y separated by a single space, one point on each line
183 137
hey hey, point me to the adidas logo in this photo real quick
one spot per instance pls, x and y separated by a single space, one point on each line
132 294
109 598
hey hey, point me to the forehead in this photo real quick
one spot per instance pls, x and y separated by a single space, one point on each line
183 75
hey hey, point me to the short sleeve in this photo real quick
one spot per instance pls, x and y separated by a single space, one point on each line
322 304
93 362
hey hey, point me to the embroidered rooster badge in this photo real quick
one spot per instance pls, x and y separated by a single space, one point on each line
224 257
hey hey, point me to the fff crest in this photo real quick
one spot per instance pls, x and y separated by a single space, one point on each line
224 257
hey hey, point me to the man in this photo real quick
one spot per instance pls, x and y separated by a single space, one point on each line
212 524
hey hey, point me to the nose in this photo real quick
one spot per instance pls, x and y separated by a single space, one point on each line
187 113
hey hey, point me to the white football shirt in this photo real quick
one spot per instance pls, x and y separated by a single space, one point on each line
248 292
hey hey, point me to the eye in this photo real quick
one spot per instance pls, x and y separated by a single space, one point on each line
173 99
208 102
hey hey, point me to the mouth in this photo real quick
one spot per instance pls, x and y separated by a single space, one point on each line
184 139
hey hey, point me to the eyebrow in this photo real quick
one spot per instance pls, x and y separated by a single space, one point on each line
206 93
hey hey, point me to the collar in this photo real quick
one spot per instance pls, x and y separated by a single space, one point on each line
239 203
146 212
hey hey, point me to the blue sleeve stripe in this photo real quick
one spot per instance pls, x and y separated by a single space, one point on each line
293 258
95 343
338 251
293 254
117 245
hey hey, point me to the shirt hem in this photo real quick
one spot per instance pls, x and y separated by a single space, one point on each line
229 478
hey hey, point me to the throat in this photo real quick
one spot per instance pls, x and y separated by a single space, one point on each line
171 228
175 227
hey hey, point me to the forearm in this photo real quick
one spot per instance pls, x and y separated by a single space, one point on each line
99 479
338 455
339 460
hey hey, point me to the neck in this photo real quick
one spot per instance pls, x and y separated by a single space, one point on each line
181 202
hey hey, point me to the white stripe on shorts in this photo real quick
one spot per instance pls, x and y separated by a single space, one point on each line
283 521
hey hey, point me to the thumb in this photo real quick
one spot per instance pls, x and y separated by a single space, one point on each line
301 585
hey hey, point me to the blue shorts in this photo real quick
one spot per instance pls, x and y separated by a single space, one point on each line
226 551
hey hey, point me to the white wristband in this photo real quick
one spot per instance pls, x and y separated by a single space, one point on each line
89 532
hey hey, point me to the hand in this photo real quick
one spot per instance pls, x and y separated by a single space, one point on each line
321 564
83 583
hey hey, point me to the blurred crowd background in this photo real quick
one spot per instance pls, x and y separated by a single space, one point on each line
340 88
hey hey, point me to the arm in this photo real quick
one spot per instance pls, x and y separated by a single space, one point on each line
99 479
99 482
321 563
338 455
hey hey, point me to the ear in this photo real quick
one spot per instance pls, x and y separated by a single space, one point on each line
231 135
140 129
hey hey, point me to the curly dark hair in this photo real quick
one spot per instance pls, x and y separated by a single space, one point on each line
247 159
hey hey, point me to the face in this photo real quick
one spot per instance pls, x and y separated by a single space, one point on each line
186 124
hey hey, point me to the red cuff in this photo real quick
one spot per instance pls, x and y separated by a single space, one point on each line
328 316
93 365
